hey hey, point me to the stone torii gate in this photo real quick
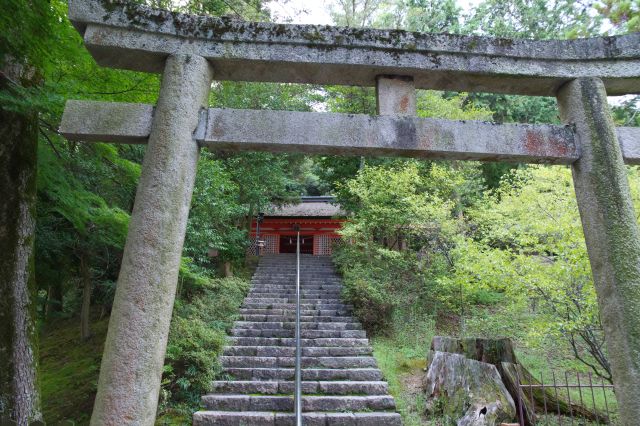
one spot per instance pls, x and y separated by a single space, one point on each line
190 51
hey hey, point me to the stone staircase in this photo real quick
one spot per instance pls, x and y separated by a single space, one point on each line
341 383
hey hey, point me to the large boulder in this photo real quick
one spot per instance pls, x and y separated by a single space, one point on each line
469 391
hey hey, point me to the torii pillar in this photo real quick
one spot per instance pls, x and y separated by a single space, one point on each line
610 231
134 352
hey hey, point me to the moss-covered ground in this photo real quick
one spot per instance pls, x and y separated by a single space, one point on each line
69 370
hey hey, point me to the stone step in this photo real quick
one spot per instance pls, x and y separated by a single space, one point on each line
322 294
304 334
341 382
307 362
291 281
292 300
264 418
321 287
291 312
288 341
292 318
308 374
291 269
291 290
282 271
303 306
284 351
305 325
291 284
309 403
291 277
304 279
274 298
283 388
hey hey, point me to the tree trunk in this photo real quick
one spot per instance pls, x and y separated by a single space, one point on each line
491 351
500 353
468 391
228 271
85 311
54 299
18 337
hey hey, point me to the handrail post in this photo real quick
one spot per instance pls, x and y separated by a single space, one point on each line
298 378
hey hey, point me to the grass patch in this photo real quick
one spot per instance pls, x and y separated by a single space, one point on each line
401 356
401 373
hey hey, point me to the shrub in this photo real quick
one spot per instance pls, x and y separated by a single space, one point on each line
191 360
204 310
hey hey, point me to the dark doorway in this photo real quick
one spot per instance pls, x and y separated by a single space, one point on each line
288 244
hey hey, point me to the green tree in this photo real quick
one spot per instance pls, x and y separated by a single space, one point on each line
527 244
624 15
425 16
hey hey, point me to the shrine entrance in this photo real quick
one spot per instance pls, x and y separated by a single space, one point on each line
318 217
190 51
288 244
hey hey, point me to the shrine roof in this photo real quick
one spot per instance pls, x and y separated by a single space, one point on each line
324 206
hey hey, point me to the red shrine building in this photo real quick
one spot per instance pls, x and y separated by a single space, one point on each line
318 218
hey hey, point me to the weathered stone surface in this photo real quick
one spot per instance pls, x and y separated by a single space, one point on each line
358 134
355 134
92 121
124 35
134 351
378 419
611 233
467 390
629 139
275 130
231 418
395 95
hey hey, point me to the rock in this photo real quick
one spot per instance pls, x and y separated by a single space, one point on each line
469 391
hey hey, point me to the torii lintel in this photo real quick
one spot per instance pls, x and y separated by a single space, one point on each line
124 35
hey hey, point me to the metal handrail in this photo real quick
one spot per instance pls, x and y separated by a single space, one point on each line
298 385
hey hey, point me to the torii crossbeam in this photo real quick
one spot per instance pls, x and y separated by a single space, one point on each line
191 50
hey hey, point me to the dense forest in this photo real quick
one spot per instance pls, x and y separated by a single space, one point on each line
454 248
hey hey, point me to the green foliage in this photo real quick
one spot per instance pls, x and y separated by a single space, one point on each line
202 314
624 15
533 19
191 359
403 371
528 246
398 237
25 28
387 203
628 112
426 16
215 213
